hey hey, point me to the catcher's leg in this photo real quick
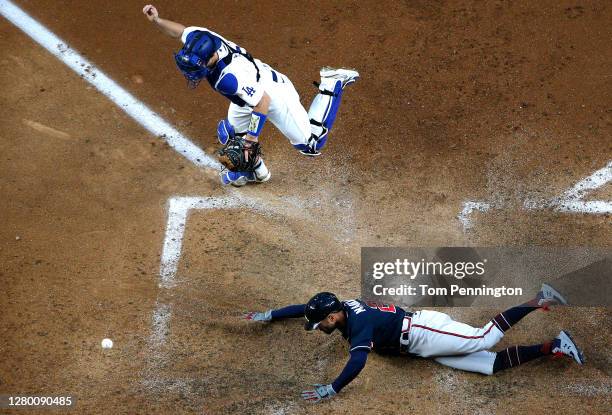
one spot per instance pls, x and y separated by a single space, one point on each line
239 117
324 107
288 115
237 122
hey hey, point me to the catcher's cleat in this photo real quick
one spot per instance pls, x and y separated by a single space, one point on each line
240 178
549 296
237 178
347 76
315 144
310 152
564 344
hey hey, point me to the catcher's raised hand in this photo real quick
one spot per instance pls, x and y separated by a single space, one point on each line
151 12
319 393
257 316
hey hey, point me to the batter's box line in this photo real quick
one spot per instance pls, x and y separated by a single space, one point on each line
570 202
178 213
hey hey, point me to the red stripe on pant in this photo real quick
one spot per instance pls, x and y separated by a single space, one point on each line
455 334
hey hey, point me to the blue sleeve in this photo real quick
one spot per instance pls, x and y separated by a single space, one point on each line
361 336
355 364
292 311
228 84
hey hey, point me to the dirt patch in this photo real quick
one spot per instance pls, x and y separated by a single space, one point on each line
458 101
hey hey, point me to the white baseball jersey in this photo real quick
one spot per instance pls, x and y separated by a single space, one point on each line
243 81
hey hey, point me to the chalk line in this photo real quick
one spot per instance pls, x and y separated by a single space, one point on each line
178 211
137 110
466 213
570 202
594 181
160 322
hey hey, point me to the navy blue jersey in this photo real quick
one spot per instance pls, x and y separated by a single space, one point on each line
372 326
368 327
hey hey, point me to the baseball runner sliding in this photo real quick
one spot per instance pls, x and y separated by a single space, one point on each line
387 329
257 93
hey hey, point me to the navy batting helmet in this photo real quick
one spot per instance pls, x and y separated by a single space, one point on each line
319 307
199 47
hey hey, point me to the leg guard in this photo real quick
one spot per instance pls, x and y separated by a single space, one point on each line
262 174
225 131
322 112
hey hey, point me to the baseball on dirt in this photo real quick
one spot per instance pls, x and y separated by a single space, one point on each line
107 344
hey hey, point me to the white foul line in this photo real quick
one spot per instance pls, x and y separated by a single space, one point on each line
124 100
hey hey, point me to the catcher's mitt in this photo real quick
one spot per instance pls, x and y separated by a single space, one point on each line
239 154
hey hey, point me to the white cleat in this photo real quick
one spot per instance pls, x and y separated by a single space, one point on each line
564 344
549 296
347 76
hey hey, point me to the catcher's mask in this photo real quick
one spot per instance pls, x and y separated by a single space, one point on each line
192 58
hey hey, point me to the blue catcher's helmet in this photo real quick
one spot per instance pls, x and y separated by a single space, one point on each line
199 47
319 307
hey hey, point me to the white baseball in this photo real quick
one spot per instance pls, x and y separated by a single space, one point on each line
107 344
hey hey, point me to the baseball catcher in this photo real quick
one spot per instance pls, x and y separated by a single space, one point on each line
387 329
257 93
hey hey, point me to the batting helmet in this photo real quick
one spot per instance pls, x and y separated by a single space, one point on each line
199 47
319 307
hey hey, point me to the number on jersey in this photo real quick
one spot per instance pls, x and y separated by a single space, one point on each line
387 308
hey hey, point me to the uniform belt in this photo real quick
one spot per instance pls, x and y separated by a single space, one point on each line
405 335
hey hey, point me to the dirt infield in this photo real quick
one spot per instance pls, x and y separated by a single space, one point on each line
499 103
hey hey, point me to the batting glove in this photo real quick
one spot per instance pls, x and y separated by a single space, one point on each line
319 393
255 316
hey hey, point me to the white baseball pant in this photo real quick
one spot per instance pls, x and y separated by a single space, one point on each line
451 343
286 111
